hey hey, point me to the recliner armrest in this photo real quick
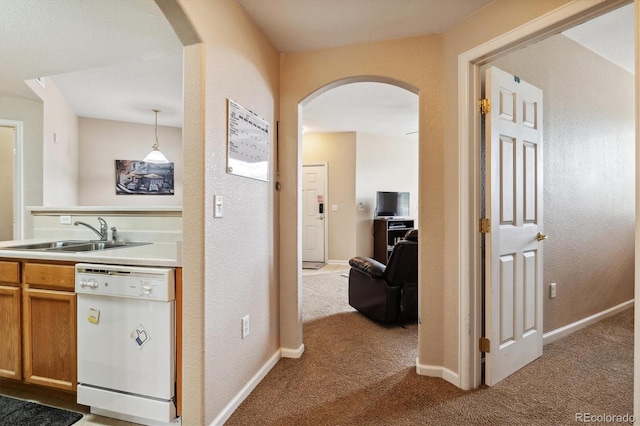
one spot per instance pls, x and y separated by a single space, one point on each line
368 266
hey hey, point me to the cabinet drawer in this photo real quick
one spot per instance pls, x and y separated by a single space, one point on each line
56 277
10 272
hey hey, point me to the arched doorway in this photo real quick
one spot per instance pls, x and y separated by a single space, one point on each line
296 306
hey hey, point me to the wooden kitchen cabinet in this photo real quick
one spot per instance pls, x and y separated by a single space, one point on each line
38 317
10 318
50 338
49 325
10 350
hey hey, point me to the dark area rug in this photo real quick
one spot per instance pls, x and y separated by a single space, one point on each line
16 412
312 265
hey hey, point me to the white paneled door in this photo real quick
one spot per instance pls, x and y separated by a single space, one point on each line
513 269
314 178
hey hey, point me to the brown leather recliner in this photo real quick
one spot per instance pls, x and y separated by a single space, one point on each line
387 293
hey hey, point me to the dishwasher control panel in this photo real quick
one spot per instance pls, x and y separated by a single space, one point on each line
125 281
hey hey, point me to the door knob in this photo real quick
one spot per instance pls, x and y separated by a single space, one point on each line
541 236
321 218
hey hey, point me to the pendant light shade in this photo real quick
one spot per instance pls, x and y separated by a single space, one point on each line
155 156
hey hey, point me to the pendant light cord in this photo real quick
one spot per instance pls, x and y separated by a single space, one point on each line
156 146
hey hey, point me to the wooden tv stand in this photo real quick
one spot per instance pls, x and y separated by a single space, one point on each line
386 233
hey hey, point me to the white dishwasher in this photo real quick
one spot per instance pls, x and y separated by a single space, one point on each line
126 342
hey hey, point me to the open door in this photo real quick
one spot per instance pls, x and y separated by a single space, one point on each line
514 240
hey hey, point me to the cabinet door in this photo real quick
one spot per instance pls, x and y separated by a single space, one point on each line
11 348
50 338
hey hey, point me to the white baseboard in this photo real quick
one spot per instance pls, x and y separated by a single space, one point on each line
292 353
438 371
224 415
337 262
566 330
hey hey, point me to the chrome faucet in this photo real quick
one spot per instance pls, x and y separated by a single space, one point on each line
104 228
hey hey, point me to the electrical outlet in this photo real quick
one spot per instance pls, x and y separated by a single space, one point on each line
552 291
65 220
245 326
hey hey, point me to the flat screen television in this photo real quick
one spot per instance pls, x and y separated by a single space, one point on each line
392 204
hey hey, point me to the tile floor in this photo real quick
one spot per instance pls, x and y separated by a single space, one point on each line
327 269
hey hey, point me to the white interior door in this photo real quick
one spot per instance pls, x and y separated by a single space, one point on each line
513 274
314 206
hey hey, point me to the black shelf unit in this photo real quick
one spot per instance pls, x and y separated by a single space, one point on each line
386 233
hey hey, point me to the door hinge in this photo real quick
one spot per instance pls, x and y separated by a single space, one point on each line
484 344
485 226
484 105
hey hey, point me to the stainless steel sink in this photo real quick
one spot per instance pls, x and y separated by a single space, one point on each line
98 245
75 245
48 245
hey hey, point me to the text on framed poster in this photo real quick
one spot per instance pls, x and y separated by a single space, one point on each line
248 143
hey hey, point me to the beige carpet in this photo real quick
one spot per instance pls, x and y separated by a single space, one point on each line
356 372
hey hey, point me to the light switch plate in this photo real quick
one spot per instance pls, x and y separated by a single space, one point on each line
218 205
245 326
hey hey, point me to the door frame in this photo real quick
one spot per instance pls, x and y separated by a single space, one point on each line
18 177
326 203
469 68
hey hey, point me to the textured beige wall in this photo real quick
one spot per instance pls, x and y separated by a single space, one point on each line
383 163
338 150
589 139
412 63
104 141
59 146
636 359
239 250
193 211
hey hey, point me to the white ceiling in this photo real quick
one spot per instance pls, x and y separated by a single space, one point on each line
117 42
377 108
610 36
129 91
303 25
118 60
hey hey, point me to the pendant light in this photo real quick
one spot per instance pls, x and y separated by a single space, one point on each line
155 156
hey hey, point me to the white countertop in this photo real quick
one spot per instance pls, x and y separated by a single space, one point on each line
101 209
154 254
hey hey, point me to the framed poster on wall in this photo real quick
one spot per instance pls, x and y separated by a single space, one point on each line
248 143
140 178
